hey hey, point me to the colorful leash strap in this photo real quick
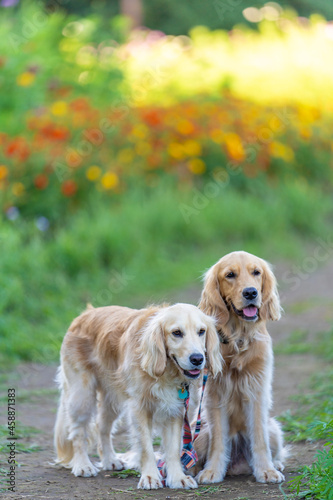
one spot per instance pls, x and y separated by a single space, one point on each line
188 455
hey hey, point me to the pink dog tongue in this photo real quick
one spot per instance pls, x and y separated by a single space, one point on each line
194 372
250 311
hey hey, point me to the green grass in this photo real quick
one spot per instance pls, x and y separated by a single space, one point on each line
138 250
22 432
313 419
316 480
297 344
316 403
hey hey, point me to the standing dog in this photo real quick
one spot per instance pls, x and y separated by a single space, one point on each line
138 360
240 290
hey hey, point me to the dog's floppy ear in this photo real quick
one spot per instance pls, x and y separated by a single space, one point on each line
214 357
211 301
153 357
271 308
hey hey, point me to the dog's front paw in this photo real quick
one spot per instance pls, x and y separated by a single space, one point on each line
149 482
111 464
182 482
84 469
208 476
269 476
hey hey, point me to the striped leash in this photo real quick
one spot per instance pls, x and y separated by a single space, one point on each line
188 454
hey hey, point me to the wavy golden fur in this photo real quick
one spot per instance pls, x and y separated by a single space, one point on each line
240 290
132 361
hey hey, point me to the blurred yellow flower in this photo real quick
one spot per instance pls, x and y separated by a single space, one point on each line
59 108
234 146
197 166
110 180
140 131
308 115
25 79
176 150
279 150
185 127
143 148
192 148
3 172
18 189
306 132
93 173
217 135
125 155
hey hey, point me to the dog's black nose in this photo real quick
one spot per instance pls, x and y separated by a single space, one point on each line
196 359
250 293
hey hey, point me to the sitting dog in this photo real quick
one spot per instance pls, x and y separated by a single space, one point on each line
133 360
240 290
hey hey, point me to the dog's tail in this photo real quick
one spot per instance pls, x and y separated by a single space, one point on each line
63 445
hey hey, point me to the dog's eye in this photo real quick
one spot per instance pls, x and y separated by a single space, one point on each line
202 331
256 272
177 333
230 275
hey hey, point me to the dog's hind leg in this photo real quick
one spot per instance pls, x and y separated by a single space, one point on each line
81 404
105 419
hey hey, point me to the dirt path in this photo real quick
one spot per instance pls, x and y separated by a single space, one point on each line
306 307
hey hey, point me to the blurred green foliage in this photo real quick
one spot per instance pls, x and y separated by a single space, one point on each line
177 18
136 251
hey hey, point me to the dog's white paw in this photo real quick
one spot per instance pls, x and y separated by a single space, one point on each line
130 460
111 464
183 482
269 476
84 469
149 482
208 476
278 465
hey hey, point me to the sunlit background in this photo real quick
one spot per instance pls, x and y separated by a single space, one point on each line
133 157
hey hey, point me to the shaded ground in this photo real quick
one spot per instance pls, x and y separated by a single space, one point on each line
306 308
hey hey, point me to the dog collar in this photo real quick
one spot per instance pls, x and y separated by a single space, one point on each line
183 392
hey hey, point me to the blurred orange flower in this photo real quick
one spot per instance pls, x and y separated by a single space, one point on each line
41 181
152 117
69 188
18 149
185 127
3 172
234 146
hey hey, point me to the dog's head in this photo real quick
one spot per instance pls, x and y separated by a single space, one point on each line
184 335
243 286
